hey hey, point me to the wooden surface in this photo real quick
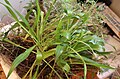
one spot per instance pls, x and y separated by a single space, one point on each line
112 20
115 6
112 45
6 63
2 74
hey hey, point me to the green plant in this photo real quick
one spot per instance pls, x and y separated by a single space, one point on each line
63 36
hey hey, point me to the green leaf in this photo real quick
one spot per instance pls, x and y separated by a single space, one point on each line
59 27
49 53
80 47
9 41
19 59
66 67
39 57
104 53
23 18
91 62
97 47
59 51
38 8
82 59
36 72
41 27
30 31
7 2
15 17
97 40
28 14
75 19
10 11
6 33
87 38
66 34
48 13
85 17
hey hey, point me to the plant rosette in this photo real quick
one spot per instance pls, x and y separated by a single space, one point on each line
63 37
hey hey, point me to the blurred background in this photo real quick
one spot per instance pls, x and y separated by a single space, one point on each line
17 4
20 4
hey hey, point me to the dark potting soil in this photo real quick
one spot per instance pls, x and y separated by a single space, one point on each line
45 71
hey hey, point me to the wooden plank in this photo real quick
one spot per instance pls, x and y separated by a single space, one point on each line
112 20
2 74
6 64
115 7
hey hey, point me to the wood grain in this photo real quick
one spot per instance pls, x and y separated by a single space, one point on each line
112 20
2 74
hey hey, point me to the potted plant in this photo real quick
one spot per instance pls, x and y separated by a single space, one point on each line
60 40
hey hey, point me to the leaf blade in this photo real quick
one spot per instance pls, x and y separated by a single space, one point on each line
59 51
10 11
39 57
19 59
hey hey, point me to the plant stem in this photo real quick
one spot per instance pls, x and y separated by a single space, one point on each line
53 69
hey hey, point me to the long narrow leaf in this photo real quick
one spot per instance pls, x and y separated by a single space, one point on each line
49 53
36 72
59 51
19 59
7 2
91 62
9 41
37 17
66 67
41 26
30 31
85 67
47 14
22 18
15 17
39 57
6 33
95 63
10 11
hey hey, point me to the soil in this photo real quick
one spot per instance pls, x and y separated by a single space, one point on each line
12 52
91 72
